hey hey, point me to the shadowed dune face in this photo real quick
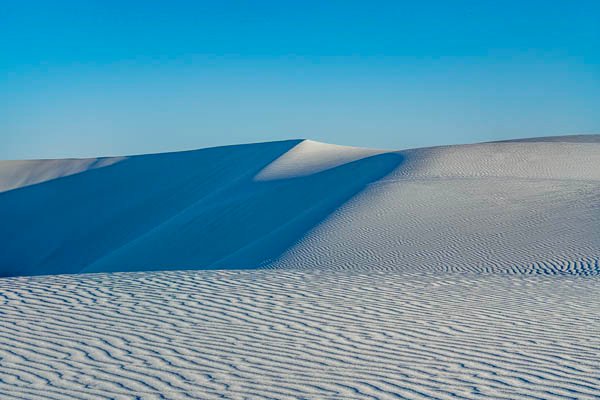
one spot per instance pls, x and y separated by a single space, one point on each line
518 207
63 225
200 209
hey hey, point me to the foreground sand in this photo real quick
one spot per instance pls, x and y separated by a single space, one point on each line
285 334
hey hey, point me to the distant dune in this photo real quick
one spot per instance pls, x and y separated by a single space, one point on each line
525 206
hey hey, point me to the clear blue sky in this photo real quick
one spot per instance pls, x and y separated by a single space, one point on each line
86 78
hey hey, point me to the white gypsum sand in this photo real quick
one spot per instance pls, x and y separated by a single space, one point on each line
300 334
450 272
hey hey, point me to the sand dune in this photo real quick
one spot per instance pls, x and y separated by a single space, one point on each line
455 272
523 206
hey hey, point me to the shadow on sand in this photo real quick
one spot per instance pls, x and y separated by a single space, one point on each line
189 210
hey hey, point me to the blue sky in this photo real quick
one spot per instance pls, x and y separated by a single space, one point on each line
86 78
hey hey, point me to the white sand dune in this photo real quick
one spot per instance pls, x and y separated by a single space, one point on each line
524 206
457 272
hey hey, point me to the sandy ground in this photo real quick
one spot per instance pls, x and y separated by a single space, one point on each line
304 270
300 335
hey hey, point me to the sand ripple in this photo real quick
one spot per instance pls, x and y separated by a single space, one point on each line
293 334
